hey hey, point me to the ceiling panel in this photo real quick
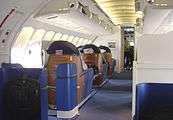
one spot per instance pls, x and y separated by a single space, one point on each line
120 11
161 4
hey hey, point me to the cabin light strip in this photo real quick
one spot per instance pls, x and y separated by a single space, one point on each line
120 11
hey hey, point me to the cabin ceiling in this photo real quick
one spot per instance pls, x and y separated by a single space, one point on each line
121 12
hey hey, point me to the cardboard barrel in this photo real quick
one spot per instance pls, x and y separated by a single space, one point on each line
62 52
108 57
93 58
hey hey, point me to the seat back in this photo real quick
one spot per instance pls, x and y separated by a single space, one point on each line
88 80
20 88
94 61
93 58
154 101
108 58
53 63
66 87
1 93
61 52
22 100
9 65
106 52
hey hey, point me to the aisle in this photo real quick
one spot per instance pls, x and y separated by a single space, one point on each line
112 102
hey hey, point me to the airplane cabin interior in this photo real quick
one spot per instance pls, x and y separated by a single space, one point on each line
86 60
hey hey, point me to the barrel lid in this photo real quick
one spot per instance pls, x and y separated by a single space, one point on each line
105 48
63 48
93 47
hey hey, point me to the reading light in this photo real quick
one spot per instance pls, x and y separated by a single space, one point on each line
139 14
132 43
156 4
164 5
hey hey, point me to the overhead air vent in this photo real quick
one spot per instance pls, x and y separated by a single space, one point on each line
95 18
84 10
150 1
73 15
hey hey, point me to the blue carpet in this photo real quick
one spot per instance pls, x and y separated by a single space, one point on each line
111 102
124 75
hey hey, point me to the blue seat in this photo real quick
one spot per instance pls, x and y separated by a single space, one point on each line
10 65
154 101
113 64
88 78
12 73
105 71
1 93
66 87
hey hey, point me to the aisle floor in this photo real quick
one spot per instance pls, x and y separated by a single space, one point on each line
112 102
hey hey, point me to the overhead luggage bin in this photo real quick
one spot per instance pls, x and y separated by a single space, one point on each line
73 15
70 84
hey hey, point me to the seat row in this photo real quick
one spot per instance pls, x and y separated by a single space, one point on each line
60 88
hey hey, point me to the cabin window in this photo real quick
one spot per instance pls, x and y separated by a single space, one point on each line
80 42
49 36
28 45
33 50
64 37
37 36
84 41
89 41
57 37
18 49
24 36
32 58
75 40
70 39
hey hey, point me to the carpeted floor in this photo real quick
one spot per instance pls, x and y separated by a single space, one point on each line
111 102
124 75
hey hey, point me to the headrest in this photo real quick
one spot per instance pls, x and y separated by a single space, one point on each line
80 48
10 65
155 97
105 48
63 48
91 48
